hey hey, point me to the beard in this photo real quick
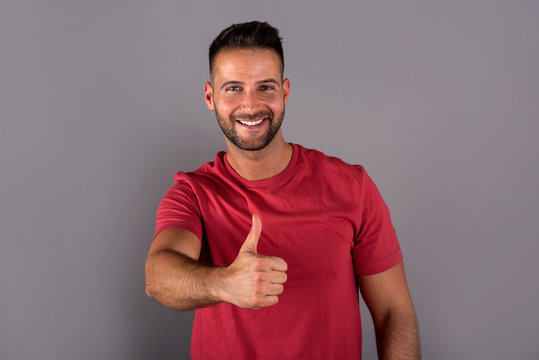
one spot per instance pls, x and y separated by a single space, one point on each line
228 126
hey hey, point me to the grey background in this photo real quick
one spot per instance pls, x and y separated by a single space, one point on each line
101 102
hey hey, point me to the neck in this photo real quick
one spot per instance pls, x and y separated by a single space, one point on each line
261 164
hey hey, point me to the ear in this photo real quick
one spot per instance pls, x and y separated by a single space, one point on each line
286 89
208 96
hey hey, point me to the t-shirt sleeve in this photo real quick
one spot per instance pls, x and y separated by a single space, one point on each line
179 208
376 247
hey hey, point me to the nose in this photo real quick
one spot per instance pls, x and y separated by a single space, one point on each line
250 102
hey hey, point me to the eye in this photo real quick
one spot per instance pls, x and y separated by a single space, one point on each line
233 88
266 87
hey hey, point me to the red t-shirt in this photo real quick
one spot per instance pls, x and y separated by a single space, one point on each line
324 217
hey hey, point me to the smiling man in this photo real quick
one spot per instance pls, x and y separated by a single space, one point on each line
251 66
270 241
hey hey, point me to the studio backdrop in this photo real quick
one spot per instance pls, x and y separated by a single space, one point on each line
101 102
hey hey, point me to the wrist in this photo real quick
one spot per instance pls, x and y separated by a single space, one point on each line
216 283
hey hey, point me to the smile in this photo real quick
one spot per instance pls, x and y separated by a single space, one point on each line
251 123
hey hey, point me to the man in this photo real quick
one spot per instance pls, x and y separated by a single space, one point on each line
270 241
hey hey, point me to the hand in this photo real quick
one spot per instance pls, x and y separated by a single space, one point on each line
254 280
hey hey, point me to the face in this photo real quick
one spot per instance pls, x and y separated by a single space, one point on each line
248 96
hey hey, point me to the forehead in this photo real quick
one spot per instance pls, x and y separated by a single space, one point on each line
243 64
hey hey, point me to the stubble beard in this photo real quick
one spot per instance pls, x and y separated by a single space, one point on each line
228 126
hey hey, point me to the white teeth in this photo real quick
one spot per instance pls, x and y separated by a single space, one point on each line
251 123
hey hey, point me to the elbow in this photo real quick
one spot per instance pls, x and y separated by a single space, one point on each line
150 290
153 291
151 285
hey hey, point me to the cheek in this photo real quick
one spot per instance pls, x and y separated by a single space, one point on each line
225 106
278 104
228 102
274 101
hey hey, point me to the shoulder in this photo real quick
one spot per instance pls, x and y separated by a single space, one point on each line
208 172
322 163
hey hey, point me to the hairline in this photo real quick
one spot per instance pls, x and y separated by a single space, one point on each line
231 48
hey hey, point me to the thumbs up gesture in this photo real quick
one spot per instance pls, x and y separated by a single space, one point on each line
254 280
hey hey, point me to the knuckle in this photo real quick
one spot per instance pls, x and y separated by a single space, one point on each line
259 278
259 263
258 290
255 302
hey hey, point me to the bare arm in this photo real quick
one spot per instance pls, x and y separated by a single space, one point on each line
176 279
389 302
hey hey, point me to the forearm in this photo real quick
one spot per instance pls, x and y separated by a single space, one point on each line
397 336
181 283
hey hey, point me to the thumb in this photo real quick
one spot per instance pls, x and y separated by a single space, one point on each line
251 241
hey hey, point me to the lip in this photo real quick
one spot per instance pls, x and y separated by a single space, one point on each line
256 127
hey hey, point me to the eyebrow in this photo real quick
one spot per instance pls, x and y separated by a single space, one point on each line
236 82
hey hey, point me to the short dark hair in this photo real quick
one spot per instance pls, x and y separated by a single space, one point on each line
248 35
